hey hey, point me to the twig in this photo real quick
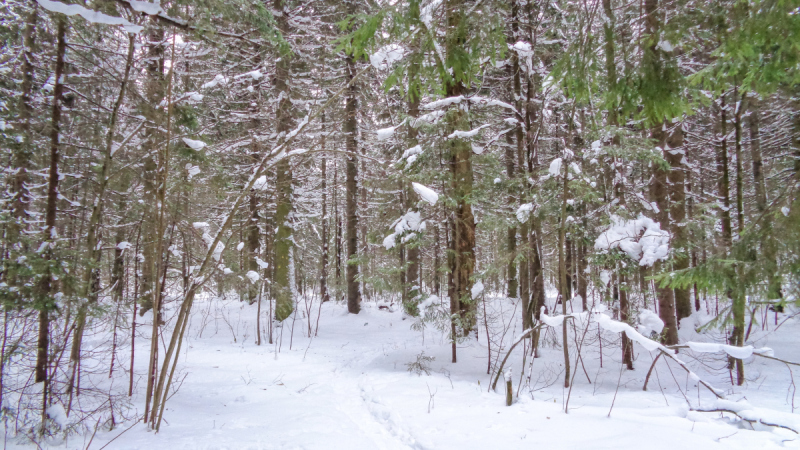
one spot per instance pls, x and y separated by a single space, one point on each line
136 421
649 372
614 400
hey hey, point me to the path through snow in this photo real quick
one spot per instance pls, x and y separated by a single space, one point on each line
349 388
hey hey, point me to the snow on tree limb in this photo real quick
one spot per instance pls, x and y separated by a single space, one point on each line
426 193
90 15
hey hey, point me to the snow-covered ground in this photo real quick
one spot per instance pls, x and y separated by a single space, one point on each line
349 388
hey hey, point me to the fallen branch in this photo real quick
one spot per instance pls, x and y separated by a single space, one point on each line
751 421
519 339
713 390
649 372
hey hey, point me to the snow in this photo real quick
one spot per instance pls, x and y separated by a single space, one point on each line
389 242
426 193
255 75
261 183
58 414
466 134
426 13
524 211
555 167
474 100
410 221
665 45
429 118
428 304
411 153
217 255
605 277
477 289
124 245
193 144
736 352
785 211
618 327
253 276
554 321
148 8
385 133
199 225
240 246
641 239
347 386
89 15
386 56
261 263
192 170
649 323
219 79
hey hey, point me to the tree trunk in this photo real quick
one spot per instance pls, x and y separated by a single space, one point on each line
323 276
660 194
737 125
350 132
47 280
563 288
154 93
675 155
413 98
774 290
338 219
282 286
659 188
452 265
460 152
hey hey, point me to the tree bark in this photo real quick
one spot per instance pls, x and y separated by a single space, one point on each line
563 288
323 276
46 302
282 284
774 290
154 93
460 152
675 155
412 286
660 194
351 144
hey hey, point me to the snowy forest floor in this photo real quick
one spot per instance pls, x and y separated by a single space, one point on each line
350 388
